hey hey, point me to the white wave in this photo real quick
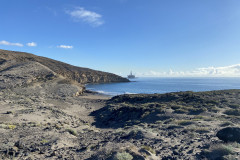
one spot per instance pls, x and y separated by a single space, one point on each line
107 93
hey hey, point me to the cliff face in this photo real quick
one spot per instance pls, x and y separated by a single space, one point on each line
78 74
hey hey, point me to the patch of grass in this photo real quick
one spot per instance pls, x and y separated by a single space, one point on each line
184 122
160 110
202 130
158 122
197 110
11 126
181 111
123 156
196 119
192 135
44 141
149 149
212 102
235 145
71 131
197 130
201 118
188 109
207 118
220 151
145 114
231 157
136 121
214 109
168 121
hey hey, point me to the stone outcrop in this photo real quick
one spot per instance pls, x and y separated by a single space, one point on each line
229 134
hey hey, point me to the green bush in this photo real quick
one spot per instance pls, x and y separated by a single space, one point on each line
11 126
220 151
123 156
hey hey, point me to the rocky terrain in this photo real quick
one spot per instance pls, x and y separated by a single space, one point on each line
9 59
46 115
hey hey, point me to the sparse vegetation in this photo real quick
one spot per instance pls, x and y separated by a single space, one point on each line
57 126
11 126
197 110
202 130
220 151
149 149
71 131
181 110
184 122
123 156
44 141
233 112
128 127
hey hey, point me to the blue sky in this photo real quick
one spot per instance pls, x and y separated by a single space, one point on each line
149 37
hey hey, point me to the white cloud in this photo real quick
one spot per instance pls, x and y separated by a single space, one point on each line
227 71
32 44
233 70
65 47
10 44
81 14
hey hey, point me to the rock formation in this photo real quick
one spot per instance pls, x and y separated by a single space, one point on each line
81 75
229 134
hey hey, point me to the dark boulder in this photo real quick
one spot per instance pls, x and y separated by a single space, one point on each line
229 134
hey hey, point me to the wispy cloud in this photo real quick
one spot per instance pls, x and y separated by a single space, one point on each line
10 44
32 44
90 17
65 46
53 11
227 71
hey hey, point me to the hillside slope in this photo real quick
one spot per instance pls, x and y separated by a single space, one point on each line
79 74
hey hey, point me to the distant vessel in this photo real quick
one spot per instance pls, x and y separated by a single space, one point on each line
131 76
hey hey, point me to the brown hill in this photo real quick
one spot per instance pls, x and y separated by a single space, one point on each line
78 74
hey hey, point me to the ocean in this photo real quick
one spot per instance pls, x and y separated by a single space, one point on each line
165 85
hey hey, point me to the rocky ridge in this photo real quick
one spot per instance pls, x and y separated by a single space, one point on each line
78 74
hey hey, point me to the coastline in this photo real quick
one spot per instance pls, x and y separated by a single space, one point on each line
94 126
44 115
165 85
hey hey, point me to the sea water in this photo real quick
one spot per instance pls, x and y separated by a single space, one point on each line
164 85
